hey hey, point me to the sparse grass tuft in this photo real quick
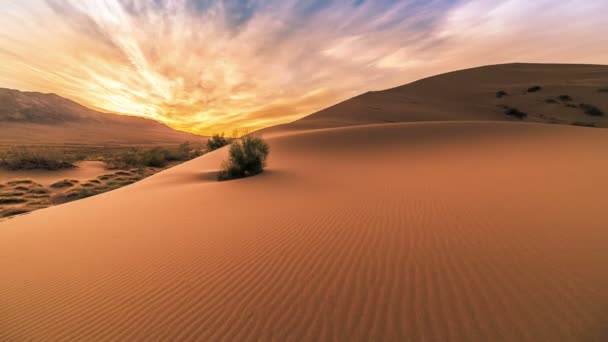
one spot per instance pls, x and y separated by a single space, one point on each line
66 183
24 158
501 94
591 110
247 158
584 124
514 112
10 200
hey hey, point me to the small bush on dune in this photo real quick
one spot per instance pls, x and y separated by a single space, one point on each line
514 112
501 93
591 110
247 158
534 89
603 90
565 98
550 101
217 141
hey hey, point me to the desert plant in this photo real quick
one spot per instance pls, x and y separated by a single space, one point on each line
591 110
247 158
217 141
24 158
501 93
603 90
584 124
534 89
565 98
551 101
510 111
66 183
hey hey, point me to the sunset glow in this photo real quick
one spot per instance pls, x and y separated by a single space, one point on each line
210 66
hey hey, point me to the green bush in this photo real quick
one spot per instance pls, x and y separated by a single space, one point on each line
247 158
217 141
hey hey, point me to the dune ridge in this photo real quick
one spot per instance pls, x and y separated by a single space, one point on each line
471 95
461 231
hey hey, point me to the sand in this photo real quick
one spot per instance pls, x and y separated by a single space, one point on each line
83 171
459 231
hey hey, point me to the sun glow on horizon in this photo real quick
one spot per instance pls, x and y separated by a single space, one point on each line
207 66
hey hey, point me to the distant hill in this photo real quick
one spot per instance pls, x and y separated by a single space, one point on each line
30 118
473 94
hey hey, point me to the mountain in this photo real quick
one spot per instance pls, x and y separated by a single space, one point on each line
33 118
473 95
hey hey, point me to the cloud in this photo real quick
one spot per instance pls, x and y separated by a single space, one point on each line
209 66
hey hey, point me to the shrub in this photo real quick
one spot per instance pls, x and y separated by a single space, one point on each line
156 157
584 124
591 110
565 98
22 158
510 111
550 101
603 90
247 158
66 183
534 89
501 93
217 141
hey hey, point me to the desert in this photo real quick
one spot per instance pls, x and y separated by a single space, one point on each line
189 170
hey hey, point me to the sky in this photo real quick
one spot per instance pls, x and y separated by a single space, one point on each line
207 66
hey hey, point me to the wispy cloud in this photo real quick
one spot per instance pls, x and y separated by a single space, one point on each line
209 66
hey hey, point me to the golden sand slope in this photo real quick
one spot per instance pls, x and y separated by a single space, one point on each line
419 232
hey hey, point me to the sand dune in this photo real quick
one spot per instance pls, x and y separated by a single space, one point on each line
471 95
30 118
440 231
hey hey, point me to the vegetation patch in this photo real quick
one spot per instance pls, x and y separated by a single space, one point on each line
534 89
38 191
501 93
21 181
603 90
514 112
66 183
584 124
247 157
565 98
217 141
591 110
551 101
24 158
9 200
14 211
157 157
